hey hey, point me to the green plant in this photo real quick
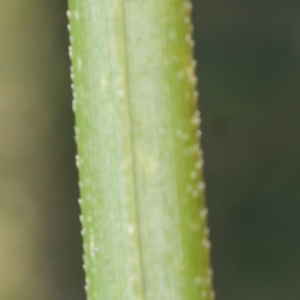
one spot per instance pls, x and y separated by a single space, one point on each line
140 165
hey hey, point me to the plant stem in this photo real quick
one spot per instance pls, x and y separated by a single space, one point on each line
140 165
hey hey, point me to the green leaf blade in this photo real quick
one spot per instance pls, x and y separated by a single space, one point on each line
140 165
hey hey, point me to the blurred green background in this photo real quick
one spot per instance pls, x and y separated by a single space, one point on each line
248 56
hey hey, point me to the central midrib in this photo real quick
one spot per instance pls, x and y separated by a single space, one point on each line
141 295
